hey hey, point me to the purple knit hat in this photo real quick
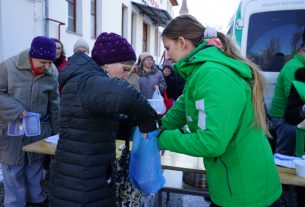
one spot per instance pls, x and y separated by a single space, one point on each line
112 48
43 48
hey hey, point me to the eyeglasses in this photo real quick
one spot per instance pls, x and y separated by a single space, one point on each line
128 68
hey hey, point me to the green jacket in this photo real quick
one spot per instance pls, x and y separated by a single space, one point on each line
216 106
283 84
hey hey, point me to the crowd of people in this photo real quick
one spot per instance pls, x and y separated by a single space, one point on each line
216 112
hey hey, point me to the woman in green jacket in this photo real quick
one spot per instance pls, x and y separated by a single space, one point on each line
222 105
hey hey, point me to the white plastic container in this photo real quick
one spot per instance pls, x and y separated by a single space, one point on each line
31 124
300 167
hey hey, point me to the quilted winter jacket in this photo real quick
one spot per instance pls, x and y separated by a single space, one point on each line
217 108
21 90
82 172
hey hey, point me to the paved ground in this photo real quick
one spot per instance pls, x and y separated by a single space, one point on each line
1 177
1 193
175 200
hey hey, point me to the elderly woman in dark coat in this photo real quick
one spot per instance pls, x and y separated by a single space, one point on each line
92 98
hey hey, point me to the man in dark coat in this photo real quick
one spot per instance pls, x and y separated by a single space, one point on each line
93 95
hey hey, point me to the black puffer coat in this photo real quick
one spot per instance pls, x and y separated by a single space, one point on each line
82 172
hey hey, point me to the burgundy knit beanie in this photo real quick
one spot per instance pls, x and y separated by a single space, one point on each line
112 48
43 48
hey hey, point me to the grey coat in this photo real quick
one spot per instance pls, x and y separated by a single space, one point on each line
148 80
21 90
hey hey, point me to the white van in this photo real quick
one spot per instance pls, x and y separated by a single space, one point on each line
269 33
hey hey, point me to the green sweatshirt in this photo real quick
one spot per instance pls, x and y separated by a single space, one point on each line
216 106
283 84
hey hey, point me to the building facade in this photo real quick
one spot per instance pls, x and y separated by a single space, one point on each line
139 21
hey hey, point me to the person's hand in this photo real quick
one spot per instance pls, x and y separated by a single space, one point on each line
156 87
154 133
22 114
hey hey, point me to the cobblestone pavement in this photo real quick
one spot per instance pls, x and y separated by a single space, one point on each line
1 194
175 200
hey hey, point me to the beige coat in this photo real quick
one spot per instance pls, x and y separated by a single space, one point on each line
21 90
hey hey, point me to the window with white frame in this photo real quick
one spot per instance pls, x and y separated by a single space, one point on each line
93 19
71 15
133 30
124 23
157 41
145 37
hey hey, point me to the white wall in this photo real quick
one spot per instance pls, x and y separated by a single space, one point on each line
140 19
138 35
57 10
1 39
17 31
83 24
112 16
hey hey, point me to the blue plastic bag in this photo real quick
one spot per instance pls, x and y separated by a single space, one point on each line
145 170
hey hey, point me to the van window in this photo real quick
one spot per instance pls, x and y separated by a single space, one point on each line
273 37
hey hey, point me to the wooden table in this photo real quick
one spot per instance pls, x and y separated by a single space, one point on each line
41 147
170 160
173 161
288 177
48 148
180 162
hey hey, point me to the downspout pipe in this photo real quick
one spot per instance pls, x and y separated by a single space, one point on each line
59 24
46 16
47 24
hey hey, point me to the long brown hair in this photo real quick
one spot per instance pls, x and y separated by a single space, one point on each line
190 28
62 47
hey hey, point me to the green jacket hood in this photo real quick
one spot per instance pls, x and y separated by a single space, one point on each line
207 53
